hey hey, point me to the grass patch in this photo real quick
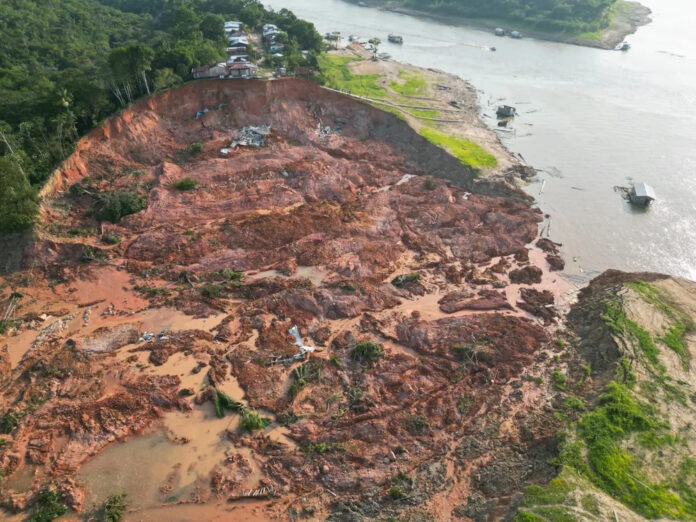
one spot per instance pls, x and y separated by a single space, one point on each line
335 74
413 84
465 151
424 113
252 421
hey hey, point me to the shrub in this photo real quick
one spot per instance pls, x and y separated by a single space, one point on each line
116 205
231 275
185 184
211 291
196 148
404 279
367 352
223 402
114 508
48 507
111 239
251 421
396 493
416 423
5 324
429 184
560 380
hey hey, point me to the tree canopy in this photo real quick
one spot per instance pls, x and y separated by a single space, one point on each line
572 16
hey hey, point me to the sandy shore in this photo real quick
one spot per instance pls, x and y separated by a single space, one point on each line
625 22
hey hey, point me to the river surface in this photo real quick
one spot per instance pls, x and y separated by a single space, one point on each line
592 119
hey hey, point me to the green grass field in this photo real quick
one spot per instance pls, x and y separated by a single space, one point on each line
336 75
414 84
465 151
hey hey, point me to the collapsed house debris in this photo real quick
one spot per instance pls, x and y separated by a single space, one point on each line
251 137
301 354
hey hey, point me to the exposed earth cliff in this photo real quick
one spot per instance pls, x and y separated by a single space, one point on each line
156 356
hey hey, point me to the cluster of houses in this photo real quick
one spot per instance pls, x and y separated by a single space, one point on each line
238 64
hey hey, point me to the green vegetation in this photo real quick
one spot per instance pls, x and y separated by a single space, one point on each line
251 421
5 324
572 17
303 375
559 379
9 421
367 351
404 279
185 184
413 84
211 291
49 506
602 460
320 448
614 446
150 291
111 239
115 205
425 113
66 66
335 74
223 402
230 274
465 151
196 148
416 424
114 508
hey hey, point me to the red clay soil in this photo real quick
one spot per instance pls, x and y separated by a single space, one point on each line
320 220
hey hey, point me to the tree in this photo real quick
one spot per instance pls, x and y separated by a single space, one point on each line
166 78
375 42
18 206
213 27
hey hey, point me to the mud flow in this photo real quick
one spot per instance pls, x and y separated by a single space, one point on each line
152 356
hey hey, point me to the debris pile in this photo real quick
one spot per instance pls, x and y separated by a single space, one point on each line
251 137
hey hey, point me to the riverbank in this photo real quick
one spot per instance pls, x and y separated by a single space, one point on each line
441 107
627 17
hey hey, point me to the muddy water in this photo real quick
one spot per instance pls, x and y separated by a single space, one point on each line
153 469
593 119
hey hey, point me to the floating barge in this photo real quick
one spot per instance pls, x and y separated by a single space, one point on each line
641 194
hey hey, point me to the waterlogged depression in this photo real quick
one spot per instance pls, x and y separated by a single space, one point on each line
591 119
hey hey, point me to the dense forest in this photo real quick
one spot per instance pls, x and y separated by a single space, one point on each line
65 65
572 16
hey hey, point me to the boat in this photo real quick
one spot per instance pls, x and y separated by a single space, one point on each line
623 46
505 111
362 4
499 31
641 194
353 38
516 34
384 56
395 38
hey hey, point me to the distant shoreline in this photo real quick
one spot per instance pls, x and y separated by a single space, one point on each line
626 22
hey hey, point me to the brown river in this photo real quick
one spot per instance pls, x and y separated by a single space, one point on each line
591 119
